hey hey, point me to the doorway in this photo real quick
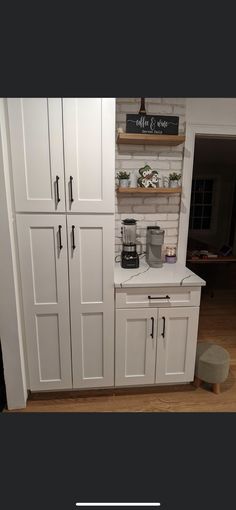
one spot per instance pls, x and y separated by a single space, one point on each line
211 247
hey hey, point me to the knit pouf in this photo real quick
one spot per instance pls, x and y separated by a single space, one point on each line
212 364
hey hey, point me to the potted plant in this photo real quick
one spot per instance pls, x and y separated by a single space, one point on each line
174 179
123 179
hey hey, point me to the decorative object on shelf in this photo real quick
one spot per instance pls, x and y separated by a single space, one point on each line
123 179
174 179
148 177
151 124
170 254
133 179
165 182
120 130
142 110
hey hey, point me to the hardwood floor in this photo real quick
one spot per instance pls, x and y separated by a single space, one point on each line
217 323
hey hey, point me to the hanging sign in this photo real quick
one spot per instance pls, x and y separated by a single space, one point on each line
152 124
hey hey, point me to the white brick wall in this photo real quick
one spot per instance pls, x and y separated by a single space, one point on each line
149 210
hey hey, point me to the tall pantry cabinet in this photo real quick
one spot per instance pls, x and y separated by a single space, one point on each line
63 157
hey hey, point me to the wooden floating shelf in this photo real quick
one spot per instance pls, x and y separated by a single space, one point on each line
141 139
167 191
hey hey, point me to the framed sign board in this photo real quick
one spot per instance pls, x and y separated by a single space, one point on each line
152 124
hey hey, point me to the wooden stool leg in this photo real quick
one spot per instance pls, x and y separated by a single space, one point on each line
197 381
216 388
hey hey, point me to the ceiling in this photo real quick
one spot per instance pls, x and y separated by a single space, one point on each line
215 151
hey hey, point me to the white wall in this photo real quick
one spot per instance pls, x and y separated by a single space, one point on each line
149 210
10 326
214 111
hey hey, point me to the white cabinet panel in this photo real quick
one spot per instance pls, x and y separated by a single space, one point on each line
35 126
176 344
139 297
135 347
91 271
44 276
89 142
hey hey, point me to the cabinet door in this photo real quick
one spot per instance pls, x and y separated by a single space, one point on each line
176 344
44 276
89 141
135 347
91 267
35 126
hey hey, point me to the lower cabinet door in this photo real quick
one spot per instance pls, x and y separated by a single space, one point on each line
135 346
42 241
91 269
176 344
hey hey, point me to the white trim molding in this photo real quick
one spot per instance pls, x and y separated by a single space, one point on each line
10 327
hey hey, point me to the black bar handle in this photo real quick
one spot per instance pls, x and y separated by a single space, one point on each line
71 189
73 237
152 333
59 235
164 327
57 188
163 297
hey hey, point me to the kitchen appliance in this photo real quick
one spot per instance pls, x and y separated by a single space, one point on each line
155 239
129 255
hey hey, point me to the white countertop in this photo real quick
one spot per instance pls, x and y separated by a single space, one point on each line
170 275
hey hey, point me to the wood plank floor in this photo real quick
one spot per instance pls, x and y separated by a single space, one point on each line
217 323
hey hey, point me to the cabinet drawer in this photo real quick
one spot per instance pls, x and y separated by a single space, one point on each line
159 296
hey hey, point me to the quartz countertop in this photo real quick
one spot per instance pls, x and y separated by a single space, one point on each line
170 275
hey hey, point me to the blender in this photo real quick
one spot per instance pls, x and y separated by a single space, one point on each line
129 255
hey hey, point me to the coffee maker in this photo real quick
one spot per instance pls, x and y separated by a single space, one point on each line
155 239
129 255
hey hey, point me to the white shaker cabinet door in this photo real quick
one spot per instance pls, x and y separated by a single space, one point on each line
135 346
36 143
42 243
89 143
91 268
176 344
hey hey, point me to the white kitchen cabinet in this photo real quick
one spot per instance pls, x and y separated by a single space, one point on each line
135 351
176 344
57 324
91 274
36 145
62 148
42 244
89 144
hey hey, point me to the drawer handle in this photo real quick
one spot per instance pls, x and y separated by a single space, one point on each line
163 297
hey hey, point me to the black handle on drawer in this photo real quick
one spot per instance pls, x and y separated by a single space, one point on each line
73 237
71 189
57 189
59 235
152 333
163 297
164 327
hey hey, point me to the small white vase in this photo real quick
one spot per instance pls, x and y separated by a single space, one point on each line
124 183
133 180
174 184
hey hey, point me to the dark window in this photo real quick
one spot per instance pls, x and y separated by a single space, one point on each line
201 204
